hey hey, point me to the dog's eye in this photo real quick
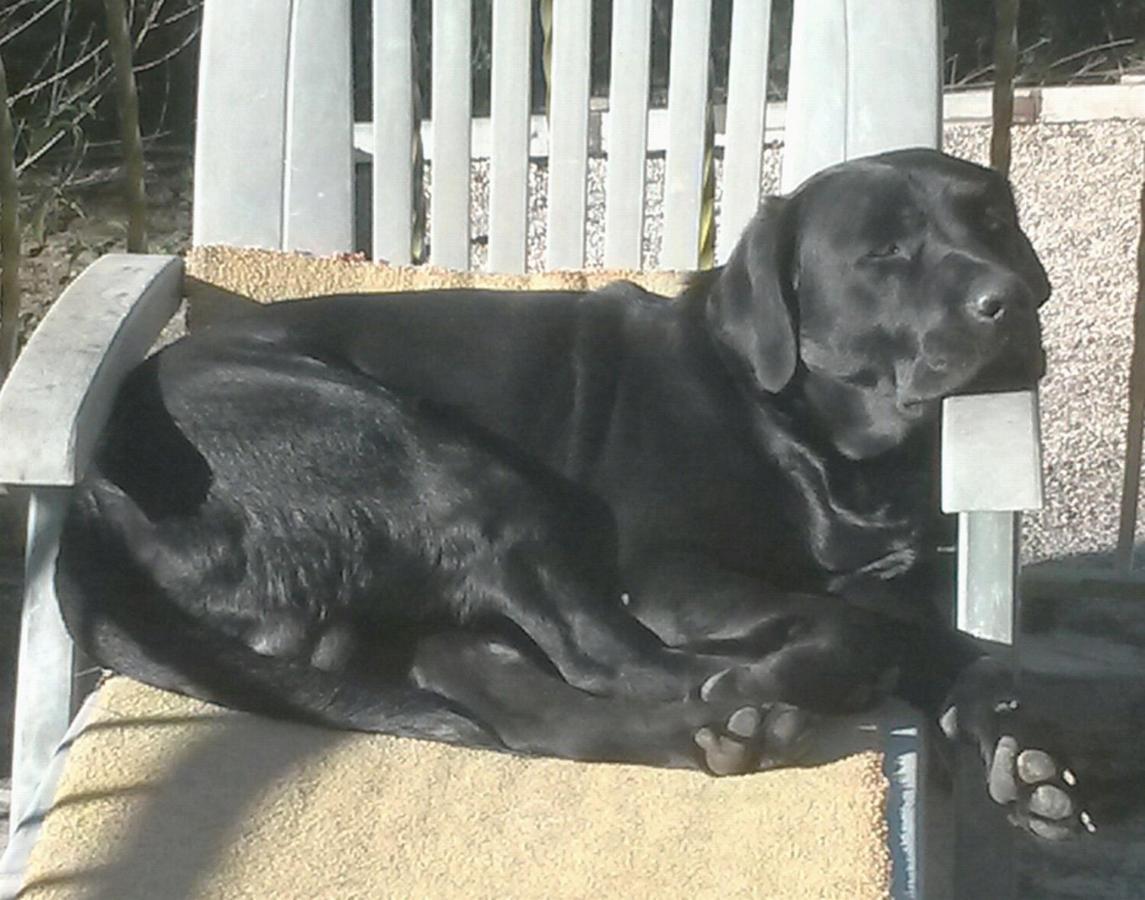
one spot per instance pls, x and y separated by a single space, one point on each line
886 251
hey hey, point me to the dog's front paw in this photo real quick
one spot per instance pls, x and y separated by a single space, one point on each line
755 738
1038 790
1040 793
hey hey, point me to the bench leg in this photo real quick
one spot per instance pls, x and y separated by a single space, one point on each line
44 676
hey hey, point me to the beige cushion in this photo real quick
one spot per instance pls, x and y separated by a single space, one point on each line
167 797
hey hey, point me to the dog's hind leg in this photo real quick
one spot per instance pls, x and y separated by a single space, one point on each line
117 613
455 685
375 510
534 712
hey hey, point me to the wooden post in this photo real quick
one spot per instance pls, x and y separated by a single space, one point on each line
1005 64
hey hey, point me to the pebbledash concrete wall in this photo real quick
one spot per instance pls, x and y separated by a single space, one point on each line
1078 186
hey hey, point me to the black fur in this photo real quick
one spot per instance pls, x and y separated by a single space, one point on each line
601 525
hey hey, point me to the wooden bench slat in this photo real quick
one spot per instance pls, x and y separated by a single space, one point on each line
509 164
450 74
318 178
58 395
815 128
239 152
568 127
392 168
746 120
627 134
687 109
849 70
895 56
53 407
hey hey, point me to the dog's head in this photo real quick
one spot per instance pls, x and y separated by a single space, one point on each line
878 287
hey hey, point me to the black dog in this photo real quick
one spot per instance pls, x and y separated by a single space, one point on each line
599 526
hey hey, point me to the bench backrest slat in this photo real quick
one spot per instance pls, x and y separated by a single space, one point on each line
568 133
687 110
627 134
450 76
746 119
392 170
318 179
273 164
509 115
239 158
861 83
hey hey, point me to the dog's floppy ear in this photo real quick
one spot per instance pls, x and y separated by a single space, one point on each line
751 310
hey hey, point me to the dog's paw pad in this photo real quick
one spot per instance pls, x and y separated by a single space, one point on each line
1050 802
724 754
1040 794
1049 831
1035 766
1000 780
744 723
752 739
786 730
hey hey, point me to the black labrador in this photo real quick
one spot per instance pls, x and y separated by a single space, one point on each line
603 525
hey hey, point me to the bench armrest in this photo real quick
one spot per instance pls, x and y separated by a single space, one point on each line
57 397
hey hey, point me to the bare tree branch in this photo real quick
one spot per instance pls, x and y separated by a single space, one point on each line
1081 53
149 22
170 54
36 16
190 10
975 74
65 27
32 158
16 7
62 74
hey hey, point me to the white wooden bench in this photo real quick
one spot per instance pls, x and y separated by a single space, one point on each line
275 165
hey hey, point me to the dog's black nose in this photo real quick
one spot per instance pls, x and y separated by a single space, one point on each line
989 305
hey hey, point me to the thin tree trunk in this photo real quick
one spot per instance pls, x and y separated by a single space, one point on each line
119 41
9 236
1005 64
1131 486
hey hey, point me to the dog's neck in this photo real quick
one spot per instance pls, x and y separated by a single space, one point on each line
860 422
864 510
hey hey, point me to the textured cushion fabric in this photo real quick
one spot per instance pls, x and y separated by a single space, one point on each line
266 275
167 797
164 797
